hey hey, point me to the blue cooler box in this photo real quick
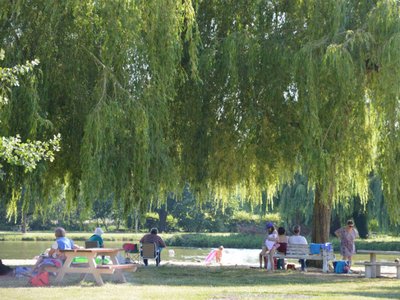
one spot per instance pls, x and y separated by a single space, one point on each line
316 248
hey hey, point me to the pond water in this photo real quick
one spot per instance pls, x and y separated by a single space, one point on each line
30 249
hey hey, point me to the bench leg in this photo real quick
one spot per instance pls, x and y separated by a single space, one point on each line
60 275
378 271
94 271
368 271
398 271
325 266
97 277
119 276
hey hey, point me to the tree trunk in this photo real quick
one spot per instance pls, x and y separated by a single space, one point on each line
162 214
24 214
360 218
321 222
136 220
104 221
118 224
24 222
321 218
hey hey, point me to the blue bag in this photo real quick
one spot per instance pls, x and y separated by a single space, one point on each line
341 266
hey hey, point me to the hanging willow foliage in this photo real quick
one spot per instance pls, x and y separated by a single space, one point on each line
109 70
222 94
293 86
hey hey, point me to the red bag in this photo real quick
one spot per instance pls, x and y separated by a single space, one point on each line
41 279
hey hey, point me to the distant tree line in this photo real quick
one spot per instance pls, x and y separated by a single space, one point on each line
185 214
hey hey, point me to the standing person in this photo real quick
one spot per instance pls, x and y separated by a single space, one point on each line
271 244
153 237
347 235
96 237
263 254
282 241
218 255
298 239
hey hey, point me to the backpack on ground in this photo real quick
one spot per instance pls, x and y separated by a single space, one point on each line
341 266
41 279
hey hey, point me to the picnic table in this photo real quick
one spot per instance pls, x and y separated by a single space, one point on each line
373 267
91 267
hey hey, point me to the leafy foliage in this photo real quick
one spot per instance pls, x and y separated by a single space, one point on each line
12 149
28 154
232 97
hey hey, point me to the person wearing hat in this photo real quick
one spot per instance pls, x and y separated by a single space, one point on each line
96 237
268 245
271 243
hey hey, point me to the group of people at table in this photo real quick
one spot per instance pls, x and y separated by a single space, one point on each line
55 257
276 240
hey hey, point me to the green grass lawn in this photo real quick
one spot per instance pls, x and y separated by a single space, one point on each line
200 282
195 282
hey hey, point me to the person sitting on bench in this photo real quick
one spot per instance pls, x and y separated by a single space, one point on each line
298 239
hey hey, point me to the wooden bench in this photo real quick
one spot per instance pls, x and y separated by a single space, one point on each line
300 251
100 269
111 268
373 269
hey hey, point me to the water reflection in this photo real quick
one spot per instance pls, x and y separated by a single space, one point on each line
29 249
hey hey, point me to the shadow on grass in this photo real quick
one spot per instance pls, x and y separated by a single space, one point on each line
230 276
387 292
311 284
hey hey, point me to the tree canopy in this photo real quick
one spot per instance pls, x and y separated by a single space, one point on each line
230 96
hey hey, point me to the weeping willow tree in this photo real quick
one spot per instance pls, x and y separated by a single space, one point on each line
343 61
231 96
235 123
108 70
294 86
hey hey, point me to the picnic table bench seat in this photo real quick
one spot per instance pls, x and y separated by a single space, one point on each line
112 268
370 266
301 251
104 268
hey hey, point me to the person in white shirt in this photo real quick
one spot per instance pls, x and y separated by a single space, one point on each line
298 239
